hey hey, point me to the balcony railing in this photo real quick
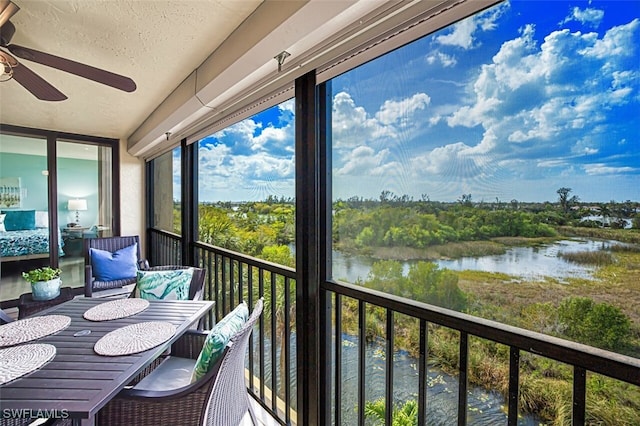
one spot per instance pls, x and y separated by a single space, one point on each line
233 277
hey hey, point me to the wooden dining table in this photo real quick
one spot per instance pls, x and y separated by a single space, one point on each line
78 382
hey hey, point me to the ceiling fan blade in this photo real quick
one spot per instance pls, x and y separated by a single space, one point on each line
86 71
7 10
36 84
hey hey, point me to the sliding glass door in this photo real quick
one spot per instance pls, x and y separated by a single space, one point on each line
24 210
84 206
56 190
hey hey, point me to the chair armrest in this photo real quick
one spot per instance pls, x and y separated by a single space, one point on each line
189 344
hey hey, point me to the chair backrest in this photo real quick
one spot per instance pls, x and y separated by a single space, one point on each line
196 287
4 317
229 401
110 244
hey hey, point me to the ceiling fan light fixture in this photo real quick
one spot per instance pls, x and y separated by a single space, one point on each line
6 67
7 73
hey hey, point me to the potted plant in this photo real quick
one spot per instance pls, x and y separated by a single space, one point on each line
45 282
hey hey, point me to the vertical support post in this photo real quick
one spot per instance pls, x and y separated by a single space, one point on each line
462 376
338 363
189 200
115 188
52 195
307 251
579 396
323 132
150 206
422 373
514 385
362 360
388 388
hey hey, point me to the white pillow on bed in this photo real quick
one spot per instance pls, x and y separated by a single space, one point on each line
2 216
42 219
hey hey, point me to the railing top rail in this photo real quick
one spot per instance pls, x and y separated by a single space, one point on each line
253 261
166 233
600 361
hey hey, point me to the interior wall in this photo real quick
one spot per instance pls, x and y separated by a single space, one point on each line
78 179
29 169
132 198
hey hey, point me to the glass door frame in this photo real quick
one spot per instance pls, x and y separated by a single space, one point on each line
52 138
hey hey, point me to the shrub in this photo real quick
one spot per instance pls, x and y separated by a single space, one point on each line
597 324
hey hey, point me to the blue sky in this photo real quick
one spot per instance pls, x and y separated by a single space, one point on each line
512 103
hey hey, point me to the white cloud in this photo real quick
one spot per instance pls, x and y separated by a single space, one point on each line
603 169
588 16
247 159
289 106
353 126
271 135
454 160
362 160
393 111
551 92
617 42
462 33
443 59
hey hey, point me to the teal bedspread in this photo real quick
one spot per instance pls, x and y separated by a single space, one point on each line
27 242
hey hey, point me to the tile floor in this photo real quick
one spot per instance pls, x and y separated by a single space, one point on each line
12 285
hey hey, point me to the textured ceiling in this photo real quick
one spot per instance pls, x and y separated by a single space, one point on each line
156 43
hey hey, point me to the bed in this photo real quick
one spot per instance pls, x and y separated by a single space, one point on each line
23 239
26 244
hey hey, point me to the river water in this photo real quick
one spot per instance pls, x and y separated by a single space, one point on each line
486 408
526 263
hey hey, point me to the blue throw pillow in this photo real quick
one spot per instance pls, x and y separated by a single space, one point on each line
17 220
119 265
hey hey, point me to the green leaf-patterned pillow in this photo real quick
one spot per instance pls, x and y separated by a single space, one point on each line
218 338
164 285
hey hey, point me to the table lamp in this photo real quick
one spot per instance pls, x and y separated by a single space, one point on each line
77 205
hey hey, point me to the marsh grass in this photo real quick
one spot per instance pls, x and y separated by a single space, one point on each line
623 235
444 251
545 388
596 258
625 248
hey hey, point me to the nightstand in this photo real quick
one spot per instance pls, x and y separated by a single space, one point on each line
73 238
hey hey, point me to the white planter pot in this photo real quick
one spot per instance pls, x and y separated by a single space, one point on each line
46 290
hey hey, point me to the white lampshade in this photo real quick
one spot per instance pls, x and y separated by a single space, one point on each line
77 204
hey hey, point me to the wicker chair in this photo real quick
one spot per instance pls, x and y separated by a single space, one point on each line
219 398
111 244
4 317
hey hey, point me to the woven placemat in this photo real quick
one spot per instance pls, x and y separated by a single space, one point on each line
28 329
17 361
134 338
115 309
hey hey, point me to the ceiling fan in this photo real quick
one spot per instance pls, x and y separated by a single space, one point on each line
10 67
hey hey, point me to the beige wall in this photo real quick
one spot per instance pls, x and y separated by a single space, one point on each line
132 189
